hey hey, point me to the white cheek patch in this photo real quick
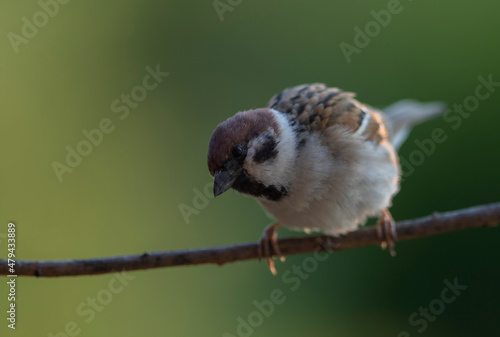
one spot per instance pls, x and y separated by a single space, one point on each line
287 145
276 171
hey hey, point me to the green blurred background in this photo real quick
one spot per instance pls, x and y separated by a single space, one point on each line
124 197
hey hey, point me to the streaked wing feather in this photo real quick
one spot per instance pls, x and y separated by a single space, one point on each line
317 107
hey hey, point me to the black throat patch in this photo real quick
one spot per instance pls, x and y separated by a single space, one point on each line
245 184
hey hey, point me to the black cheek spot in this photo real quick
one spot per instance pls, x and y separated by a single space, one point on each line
267 151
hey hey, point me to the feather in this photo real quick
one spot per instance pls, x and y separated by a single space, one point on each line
401 116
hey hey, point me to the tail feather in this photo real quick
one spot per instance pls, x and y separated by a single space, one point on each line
401 116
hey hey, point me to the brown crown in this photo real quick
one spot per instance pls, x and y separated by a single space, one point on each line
238 129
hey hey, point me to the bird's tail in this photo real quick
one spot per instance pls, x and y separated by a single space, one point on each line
401 116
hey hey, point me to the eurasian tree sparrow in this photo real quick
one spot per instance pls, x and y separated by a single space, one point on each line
316 159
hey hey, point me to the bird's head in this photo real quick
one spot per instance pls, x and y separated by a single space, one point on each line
253 152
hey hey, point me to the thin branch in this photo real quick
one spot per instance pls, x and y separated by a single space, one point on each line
437 223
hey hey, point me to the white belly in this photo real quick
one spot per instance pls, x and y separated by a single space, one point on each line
337 186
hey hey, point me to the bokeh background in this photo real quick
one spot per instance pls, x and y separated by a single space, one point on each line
124 197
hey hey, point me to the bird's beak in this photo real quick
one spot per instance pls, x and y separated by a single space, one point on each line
223 181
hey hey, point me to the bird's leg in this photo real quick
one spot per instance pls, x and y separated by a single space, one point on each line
386 231
270 237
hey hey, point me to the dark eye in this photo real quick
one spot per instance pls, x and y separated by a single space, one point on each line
237 151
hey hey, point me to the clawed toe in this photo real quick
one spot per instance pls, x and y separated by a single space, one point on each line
386 231
270 239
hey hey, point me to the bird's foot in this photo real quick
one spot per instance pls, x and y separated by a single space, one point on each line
386 231
270 238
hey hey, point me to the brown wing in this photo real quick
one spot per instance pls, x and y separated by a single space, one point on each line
317 107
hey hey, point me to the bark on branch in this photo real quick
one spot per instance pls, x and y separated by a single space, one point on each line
437 223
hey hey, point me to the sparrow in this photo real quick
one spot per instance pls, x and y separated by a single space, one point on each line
316 159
